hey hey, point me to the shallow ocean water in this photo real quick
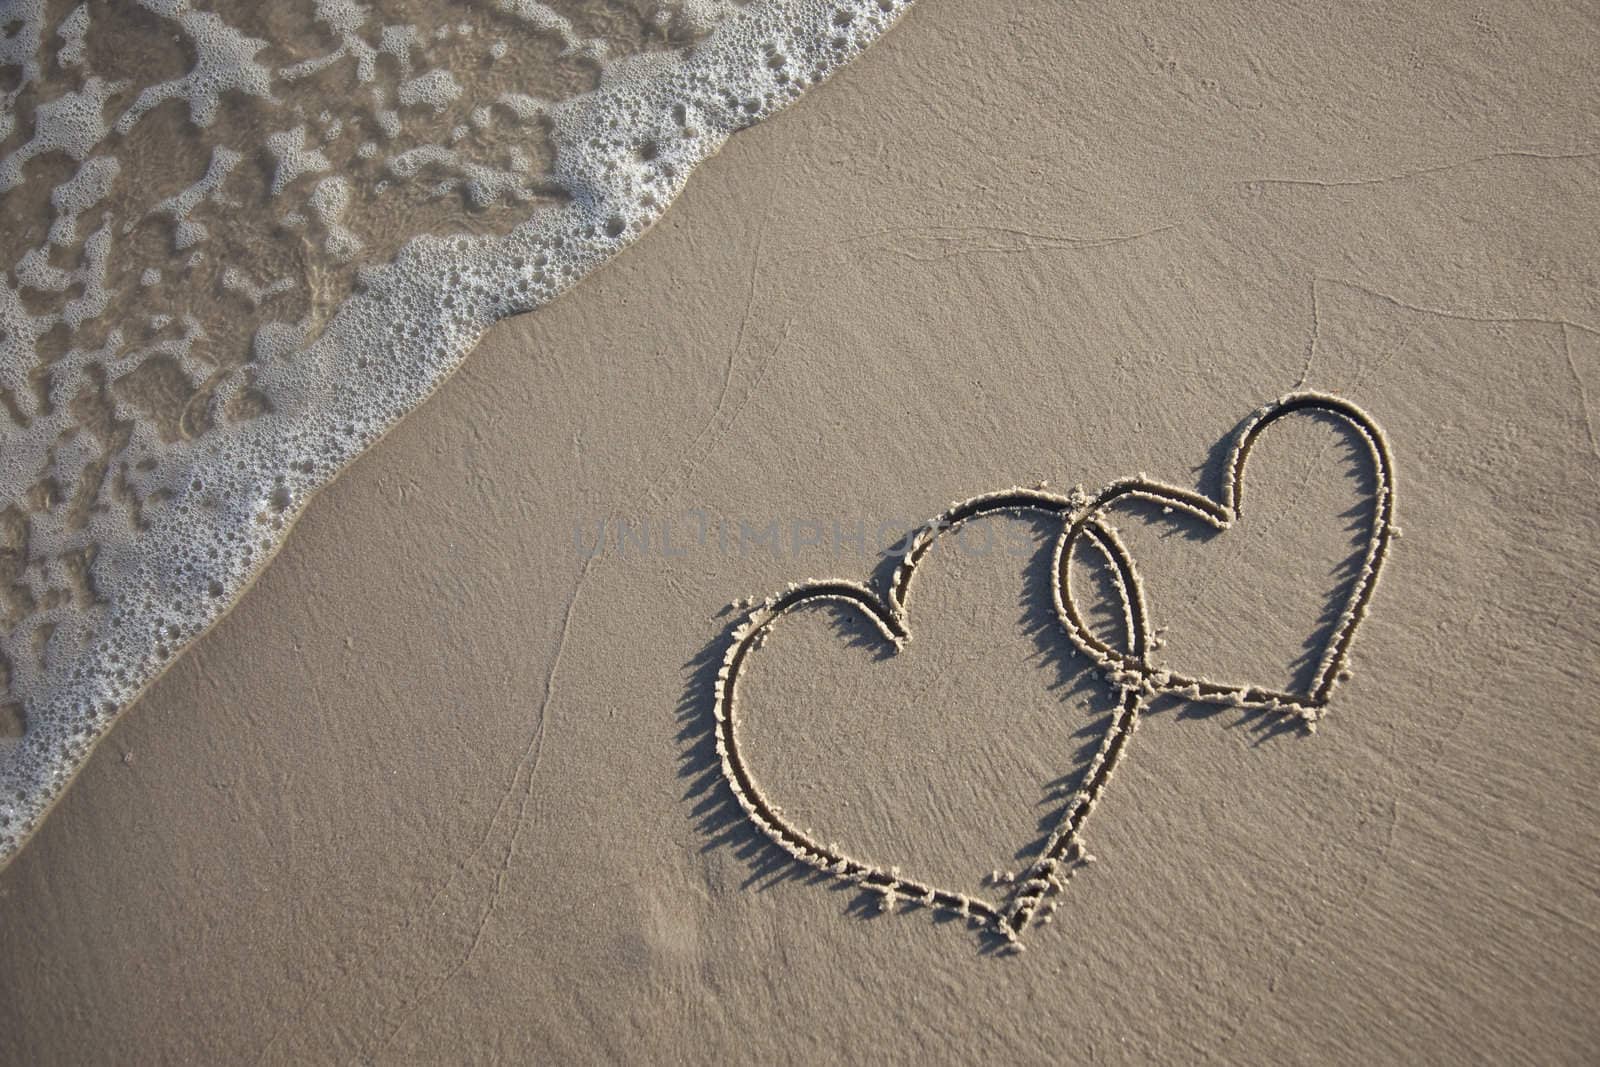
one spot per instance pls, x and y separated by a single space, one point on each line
243 240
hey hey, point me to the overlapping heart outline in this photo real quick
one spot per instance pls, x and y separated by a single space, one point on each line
888 614
1133 668
1128 670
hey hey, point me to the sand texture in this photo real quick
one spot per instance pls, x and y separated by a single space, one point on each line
444 786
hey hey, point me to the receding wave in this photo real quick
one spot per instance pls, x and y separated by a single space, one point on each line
244 239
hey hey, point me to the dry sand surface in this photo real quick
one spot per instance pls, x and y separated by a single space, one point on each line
441 788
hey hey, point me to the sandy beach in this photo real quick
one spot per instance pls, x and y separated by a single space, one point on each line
442 787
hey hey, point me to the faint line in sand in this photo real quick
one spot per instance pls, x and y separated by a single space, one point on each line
1511 318
948 242
1583 392
1420 172
732 364
1311 342
1566 326
536 745
535 750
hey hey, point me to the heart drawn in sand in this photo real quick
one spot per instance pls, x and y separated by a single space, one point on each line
1128 670
888 614
1132 667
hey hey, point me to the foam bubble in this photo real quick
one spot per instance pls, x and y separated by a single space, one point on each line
191 346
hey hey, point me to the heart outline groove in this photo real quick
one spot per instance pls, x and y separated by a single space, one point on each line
888 614
1130 672
1133 668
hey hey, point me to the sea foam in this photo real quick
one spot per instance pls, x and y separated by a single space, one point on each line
245 240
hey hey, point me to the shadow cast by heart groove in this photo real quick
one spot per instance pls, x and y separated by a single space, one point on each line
1132 668
759 831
